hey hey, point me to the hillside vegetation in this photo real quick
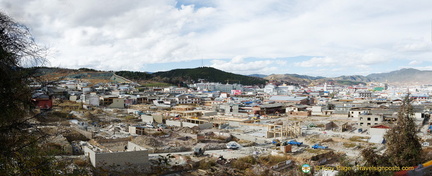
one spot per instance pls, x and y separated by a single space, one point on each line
207 74
182 77
173 77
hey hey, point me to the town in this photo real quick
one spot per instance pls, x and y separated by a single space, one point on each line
206 128
199 88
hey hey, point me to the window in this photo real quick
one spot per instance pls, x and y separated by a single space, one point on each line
368 124
369 118
376 119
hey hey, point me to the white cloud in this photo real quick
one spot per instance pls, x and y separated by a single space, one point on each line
414 46
122 35
239 65
415 62
318 62
347 60
117 35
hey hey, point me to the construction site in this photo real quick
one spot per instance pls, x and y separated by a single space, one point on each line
192 142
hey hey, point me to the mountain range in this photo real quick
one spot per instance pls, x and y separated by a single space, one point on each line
406 76
182 77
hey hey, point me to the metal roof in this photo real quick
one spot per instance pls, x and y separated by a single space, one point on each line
286 98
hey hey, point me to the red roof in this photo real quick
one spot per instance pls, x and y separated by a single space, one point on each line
380 126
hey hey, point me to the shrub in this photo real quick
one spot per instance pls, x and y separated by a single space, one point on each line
357 139
272 159
206 164
244 162
80 162
159 133
349 144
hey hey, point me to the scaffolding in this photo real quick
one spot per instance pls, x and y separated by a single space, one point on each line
292 129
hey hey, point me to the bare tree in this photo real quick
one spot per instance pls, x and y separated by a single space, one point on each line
20 152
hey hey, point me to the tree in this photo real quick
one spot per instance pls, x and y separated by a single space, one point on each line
331 106
402 142
20 152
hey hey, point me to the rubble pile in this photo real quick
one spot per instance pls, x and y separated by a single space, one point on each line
193 130
148 141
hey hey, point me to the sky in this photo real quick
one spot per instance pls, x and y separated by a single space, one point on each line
308 37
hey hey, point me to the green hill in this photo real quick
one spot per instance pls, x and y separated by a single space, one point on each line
173 77
134 75
207 74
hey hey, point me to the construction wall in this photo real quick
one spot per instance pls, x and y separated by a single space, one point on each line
134 147
234 124
158 118
91 154
94 100
132 130
222 126
117 103
418 116
378 131
205 126
301 113
73 98
173 123
209 113
114 140
330 126
138 157
255 126
317 110
147 119
87 134
188 124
